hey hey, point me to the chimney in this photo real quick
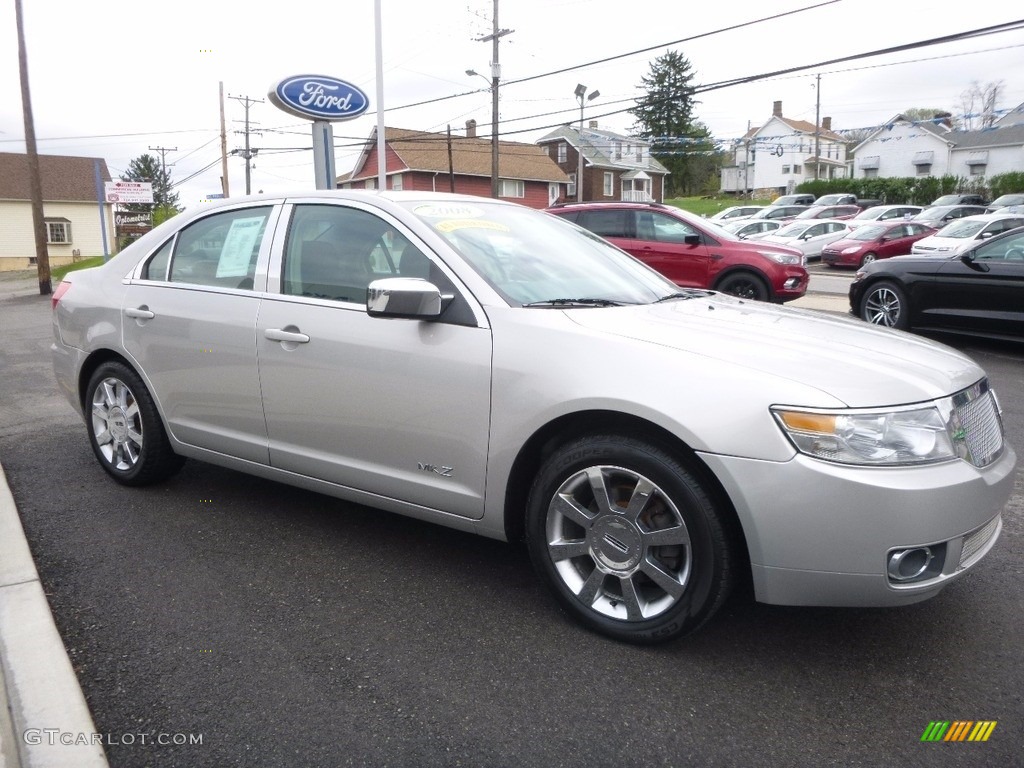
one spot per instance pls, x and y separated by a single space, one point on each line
777 109
826 123
471 129
593 125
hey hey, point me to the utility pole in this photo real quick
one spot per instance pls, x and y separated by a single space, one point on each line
223 148
165 188
495 38
34 174
247 153
817 128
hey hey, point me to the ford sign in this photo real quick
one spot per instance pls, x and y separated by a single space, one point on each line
318 97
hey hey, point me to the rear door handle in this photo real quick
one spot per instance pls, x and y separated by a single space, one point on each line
140 313
279 334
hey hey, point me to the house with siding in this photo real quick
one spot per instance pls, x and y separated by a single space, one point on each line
615 167
437 162
903 147
79 223
783 153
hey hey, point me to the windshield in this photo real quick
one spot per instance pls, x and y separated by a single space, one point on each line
532 257
961 229
947 200
791 230
1008 200
867 233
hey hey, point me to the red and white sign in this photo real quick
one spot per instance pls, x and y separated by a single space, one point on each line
128 191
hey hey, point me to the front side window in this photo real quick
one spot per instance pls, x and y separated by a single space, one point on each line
1005 249
334 252
663 229
218 250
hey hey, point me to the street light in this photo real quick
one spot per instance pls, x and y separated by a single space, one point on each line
495 71
581 92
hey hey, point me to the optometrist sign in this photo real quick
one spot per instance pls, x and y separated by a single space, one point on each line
318 97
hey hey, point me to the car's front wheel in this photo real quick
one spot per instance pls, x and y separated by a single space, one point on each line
629 539
125 429
867 258
885 304
745 285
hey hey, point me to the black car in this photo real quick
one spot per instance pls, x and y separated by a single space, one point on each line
960 200
939 216
979 293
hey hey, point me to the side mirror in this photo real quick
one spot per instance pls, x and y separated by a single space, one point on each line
407 297
968 259
691 239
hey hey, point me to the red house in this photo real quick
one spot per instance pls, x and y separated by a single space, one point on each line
439 162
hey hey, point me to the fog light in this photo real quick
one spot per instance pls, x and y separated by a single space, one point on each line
792 283
909 564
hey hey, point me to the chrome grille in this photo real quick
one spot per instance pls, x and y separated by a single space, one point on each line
977 541
977 429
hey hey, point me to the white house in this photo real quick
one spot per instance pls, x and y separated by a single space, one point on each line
903 147
783 153
78 220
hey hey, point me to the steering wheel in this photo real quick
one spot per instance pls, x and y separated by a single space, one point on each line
1015 254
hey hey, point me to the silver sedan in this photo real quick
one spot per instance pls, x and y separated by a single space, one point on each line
499 370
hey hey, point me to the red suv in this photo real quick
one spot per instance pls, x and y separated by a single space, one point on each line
694 252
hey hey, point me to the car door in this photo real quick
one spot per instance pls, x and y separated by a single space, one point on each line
675 249
985 295
396 408
189 319
897 241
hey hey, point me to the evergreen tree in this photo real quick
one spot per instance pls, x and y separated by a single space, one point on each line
665 117
147 168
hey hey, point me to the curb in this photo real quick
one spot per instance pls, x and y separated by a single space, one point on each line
44 719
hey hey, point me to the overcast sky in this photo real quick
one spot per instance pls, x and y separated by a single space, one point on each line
114 78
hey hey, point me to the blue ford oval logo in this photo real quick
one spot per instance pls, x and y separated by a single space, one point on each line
318 97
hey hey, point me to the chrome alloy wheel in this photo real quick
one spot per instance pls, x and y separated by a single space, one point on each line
883 307
618 543
117 424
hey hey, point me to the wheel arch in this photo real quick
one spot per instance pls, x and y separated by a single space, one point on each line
94 361
576 425
744 269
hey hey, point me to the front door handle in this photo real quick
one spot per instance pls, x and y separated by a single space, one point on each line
282 334
140 313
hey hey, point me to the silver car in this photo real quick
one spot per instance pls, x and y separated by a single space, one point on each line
499 370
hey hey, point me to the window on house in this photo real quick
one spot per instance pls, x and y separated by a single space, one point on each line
58 231
618 150
609 184
976 170
563 152
785 169
396 181
511 188
924 170
370 184
870 173
570 190
797 169
639 154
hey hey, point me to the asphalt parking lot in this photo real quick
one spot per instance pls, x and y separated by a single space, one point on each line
250 623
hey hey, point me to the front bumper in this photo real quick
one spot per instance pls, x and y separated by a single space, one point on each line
823 534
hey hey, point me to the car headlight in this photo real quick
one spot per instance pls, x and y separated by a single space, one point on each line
851 249
782 258
879 438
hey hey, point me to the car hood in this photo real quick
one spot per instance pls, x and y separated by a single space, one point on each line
856 363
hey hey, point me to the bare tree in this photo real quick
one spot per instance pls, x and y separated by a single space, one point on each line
978 105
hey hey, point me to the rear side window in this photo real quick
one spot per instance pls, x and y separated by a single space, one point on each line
613 223
218 250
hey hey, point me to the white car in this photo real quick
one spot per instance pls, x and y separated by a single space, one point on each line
747 228
505 372
736 212
809 236
963 234
878 213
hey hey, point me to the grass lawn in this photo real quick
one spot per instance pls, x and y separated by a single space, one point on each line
703 206
57 274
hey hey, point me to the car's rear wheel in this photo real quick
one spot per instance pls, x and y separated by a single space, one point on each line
629 539
867 258
745 285
125 430
885 303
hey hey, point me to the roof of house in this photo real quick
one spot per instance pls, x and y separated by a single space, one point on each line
593 153
64 178
934 128
428 152
997 136
800 126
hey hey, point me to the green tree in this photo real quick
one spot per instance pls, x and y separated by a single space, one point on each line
665 117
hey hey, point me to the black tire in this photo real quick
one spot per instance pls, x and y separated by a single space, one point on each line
125 430
643 572
867 258
885 304
745 285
